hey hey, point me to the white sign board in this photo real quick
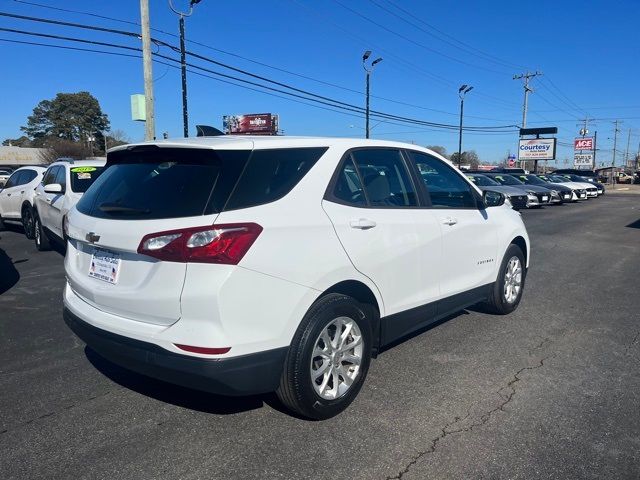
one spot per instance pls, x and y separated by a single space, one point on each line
583 160
537 149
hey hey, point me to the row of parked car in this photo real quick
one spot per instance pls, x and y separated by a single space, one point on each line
39 198
528 190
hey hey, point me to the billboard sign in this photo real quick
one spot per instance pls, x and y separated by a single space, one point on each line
537 149
250 124
585 143
583 160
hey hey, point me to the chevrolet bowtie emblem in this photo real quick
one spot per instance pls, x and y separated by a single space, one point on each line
92 237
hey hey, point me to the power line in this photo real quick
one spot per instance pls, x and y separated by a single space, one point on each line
346 107
442 36
259 77
403 63
256 62
418 44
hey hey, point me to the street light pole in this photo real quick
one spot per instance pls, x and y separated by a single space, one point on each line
462 91
183 62
368 71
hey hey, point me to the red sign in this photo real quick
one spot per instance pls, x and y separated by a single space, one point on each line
583 143
256 124
512 162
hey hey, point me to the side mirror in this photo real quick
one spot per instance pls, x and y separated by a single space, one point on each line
493 199
53 188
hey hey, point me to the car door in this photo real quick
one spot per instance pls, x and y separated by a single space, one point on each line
44 199
56 210
469 236
9 196
385 229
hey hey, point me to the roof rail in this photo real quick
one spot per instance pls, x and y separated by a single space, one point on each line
65 159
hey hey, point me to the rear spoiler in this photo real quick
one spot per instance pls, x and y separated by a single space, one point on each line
207 131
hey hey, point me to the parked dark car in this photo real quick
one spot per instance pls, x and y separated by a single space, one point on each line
541 194
516 196
559 193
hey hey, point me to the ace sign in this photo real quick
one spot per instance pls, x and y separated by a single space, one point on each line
585 143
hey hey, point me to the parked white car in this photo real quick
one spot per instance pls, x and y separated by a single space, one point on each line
16 198
62 186
4 176
243 265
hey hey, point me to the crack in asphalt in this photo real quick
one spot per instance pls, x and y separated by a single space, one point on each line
484 418
53 413
633 342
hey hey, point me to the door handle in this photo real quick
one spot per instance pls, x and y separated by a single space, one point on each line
450 221
8 194
362 224
22 192
48 200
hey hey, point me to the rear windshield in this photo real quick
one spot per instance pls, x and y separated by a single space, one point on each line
83 177
153 182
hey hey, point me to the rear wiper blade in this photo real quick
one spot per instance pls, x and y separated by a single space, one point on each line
116 208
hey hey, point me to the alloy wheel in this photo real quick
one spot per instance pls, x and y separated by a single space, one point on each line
512 279
336 358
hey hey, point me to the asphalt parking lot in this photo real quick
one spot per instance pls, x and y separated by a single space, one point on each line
550 391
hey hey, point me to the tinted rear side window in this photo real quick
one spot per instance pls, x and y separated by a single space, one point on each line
154 182
271 174
83 177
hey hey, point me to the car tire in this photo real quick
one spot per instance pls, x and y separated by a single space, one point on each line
324 372
27 221
507 290
39 235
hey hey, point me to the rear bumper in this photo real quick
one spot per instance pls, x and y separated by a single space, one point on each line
243 375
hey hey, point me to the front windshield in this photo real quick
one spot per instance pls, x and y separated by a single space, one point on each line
506 180
531 180
483 181
558 179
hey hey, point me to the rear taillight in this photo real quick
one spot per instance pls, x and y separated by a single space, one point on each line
225 244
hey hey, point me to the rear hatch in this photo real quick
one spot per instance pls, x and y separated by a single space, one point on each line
144 191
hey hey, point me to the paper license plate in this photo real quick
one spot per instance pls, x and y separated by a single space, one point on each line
105 266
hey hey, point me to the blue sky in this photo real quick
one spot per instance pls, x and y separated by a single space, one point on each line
588 52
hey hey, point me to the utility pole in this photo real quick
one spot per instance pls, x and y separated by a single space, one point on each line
147 65
595 148
626 155
527 76
368 71
183 63
615 144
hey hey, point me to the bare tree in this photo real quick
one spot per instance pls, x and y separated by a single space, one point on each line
54 148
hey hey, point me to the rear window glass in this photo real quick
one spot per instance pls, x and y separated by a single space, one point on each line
154 182
83 177
271 174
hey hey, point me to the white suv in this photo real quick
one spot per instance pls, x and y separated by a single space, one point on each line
16 198
63 184
243 265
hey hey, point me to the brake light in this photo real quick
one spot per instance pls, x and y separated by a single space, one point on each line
225 244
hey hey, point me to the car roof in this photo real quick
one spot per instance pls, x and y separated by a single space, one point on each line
258 142
81 163
37 168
